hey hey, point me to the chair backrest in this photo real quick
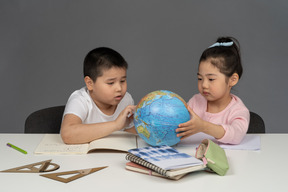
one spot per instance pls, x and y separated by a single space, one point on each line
46 120
256 124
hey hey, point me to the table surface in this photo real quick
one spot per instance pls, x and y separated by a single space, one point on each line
263 170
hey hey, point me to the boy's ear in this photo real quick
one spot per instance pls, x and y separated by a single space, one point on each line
89 83
233 80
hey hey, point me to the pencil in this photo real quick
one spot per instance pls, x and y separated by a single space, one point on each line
16 148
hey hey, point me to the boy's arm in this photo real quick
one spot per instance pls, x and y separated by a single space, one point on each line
73 131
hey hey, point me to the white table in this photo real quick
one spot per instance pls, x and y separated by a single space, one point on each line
263 170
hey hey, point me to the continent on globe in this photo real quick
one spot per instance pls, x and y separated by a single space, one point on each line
158 115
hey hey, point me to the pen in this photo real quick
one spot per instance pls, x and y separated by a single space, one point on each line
16 148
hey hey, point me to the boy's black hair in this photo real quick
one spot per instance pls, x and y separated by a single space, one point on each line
226 58
100 59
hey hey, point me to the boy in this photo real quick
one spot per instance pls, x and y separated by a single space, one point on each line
103 106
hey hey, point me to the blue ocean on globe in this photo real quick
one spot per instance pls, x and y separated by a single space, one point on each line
158 115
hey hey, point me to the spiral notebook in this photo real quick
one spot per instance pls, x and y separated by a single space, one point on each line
165 160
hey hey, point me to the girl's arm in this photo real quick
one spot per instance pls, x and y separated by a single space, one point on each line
232 133
196 125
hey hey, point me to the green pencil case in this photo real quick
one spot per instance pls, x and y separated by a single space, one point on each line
213 156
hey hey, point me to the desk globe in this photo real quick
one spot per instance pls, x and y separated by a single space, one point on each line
157 115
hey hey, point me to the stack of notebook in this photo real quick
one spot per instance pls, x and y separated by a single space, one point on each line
163 161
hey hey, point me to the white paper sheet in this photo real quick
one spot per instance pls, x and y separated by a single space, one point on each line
250 142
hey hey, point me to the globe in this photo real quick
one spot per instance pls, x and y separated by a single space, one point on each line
157 115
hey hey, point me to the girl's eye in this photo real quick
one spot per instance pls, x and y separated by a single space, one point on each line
211 79
123 81
110 83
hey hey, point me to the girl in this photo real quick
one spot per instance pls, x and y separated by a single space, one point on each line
215 111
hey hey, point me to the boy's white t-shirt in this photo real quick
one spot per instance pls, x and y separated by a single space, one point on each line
81 104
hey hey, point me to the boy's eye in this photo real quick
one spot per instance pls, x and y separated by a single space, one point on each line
211 79
123 81
199 79
110 83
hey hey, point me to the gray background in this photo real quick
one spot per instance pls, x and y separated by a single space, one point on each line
43 43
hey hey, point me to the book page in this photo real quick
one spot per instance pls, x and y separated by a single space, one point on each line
53 144
249 142
141 143
119 141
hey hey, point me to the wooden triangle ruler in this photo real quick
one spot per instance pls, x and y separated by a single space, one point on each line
74 174
34 167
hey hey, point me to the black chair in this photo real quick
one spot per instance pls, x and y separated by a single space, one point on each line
256 124
46 120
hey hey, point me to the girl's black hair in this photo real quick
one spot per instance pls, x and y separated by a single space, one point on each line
100 59
226 58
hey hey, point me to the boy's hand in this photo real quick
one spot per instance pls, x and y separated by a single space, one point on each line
125 117
190 127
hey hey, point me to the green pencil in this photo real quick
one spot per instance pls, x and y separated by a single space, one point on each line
16 148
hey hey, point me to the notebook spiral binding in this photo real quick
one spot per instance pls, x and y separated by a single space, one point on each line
140 161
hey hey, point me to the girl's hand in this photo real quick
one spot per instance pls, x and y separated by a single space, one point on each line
191 127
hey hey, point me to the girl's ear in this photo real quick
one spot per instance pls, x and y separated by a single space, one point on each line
89 83
233 80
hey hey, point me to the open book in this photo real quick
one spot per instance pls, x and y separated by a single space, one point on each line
119 141
165 161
